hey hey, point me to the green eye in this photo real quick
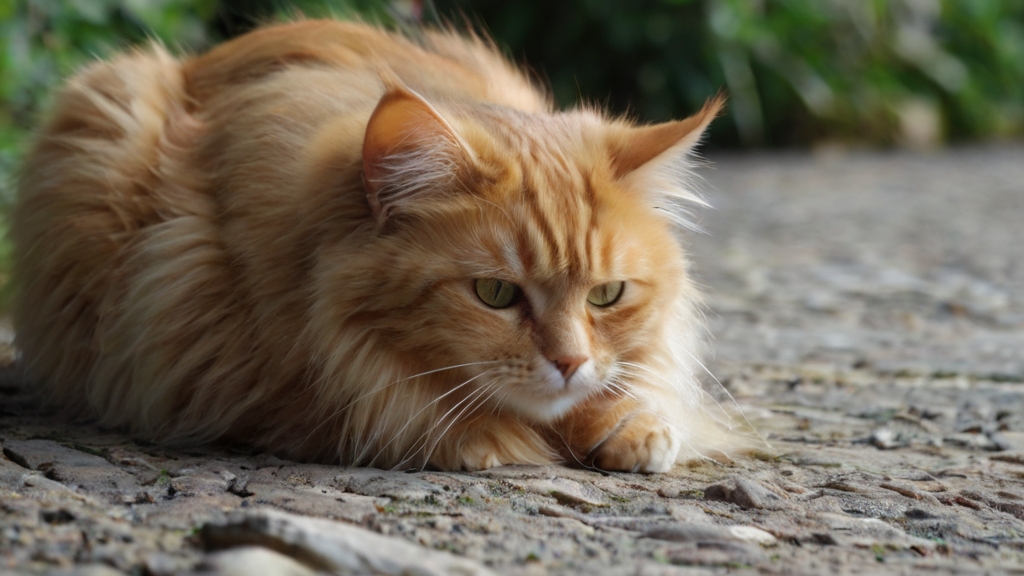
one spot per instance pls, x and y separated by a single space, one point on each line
605 294
497 293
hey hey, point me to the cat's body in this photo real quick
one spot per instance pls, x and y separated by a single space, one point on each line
282 243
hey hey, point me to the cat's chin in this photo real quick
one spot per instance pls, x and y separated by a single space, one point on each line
545 412
548 409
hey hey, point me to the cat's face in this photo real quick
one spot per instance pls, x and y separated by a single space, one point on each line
543 306
546 278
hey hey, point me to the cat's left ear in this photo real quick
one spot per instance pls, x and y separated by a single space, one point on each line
656 156
411 154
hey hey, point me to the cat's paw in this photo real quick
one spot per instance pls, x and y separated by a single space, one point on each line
480 461
644 443
500 442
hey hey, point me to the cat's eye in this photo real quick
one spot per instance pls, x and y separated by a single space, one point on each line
606 294
497 293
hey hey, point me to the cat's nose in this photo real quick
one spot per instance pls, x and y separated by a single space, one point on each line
567 365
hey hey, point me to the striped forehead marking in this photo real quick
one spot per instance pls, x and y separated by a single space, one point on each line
558 233
560 212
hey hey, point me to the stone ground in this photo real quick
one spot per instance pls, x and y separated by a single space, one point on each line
868 311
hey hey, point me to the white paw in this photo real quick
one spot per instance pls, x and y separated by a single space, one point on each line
480 461
644 443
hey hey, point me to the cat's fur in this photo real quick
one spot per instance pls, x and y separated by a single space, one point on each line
275 244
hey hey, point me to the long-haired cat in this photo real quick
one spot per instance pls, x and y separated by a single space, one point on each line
334 243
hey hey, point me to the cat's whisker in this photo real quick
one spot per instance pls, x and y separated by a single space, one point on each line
646 370
732 399
412 419
727 422
480 401
499 403
652 377
642 405
619 386
654 374
423 438
385 426
646 374
573 452
326 419
407 378
622 390
627 380
421 443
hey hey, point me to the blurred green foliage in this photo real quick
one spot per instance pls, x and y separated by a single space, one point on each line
42 41
797 71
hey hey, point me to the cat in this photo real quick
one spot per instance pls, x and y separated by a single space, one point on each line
337 244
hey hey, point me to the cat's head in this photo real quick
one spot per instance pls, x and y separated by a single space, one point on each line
535 252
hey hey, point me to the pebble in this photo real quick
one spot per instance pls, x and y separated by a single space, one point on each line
333 546
885 439
565 491
249 561
743 492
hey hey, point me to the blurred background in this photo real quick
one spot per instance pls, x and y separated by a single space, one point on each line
799 73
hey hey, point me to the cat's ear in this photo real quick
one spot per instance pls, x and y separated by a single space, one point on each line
656 161
660 146
410 153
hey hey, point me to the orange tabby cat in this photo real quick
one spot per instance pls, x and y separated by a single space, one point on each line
327 241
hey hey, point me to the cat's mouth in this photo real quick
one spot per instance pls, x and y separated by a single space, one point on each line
550 395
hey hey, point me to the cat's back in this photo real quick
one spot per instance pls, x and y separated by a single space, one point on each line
437 63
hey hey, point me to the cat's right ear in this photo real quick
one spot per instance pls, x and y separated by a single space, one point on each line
656 160
659 146
411 154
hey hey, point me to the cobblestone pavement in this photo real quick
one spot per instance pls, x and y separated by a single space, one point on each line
868 313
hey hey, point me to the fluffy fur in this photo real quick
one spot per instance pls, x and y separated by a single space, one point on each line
276 243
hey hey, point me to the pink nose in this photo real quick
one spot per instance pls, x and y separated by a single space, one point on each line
567 365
